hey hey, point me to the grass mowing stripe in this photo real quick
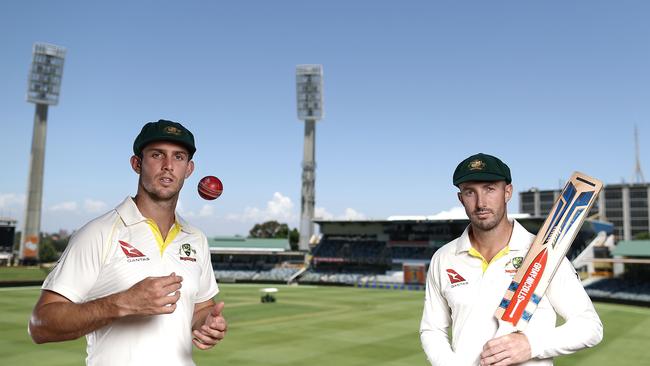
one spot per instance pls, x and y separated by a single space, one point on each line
12 289
313 326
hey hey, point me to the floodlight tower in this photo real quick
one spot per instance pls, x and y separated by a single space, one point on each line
309 87
638 173
43 90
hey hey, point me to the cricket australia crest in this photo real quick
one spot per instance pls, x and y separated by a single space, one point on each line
476 165
171 130
188 252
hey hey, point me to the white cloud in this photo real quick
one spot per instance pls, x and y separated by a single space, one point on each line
94 206
352 214
64 206
250 214
453 213
349 214
11 200
206 211
322 213
279 208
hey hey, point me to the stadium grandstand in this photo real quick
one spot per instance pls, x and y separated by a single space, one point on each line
372 253
397 251
7 232
239 259
629 262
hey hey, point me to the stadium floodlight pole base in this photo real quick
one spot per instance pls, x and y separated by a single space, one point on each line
308 186
29 242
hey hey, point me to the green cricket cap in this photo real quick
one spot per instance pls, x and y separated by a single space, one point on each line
164 130
482 168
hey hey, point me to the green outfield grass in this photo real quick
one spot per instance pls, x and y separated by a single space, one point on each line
311 326
22 273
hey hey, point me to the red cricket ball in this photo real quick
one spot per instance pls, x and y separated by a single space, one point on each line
210 187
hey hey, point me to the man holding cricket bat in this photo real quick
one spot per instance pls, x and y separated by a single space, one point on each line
468 277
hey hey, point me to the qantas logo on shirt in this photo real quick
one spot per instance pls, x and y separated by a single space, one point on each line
132 253
455 278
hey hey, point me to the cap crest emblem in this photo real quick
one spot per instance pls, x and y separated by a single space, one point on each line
476 165
171 130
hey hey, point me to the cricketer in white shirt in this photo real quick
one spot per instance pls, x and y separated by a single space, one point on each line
115 251
463 292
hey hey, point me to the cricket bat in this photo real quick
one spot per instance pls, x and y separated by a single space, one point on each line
546 253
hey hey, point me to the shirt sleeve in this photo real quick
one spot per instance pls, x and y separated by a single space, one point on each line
582 327
435 322
78 268
208 287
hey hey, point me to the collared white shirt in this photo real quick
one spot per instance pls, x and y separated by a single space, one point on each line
115 251
461 297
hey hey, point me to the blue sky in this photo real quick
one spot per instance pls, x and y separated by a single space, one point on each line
411 88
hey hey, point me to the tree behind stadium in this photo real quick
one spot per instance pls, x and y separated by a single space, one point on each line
275 230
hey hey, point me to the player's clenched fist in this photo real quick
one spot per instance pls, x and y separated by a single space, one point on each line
213 329
151 296
510 349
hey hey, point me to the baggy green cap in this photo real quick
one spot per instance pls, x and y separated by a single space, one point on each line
164 130
483 168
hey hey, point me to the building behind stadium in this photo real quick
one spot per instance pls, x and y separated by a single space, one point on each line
627 206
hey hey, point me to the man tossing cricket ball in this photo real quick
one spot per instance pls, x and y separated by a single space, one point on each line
469 276
138 281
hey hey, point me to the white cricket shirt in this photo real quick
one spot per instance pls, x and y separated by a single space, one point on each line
462 296
112 253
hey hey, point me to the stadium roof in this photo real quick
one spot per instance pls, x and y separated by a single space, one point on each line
632 248
7 221
240 244
447 216
452 215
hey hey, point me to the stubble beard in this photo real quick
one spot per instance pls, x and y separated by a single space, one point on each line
488 224
160 195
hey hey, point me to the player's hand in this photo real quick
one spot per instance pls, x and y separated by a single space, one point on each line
151 296
213 329
509 349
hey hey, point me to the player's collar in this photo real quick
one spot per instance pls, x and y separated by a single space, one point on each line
129 212
185 226
130 215
519 239
463 244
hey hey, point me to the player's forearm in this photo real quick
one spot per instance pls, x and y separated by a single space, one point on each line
582 328
435 344
580 332
62 321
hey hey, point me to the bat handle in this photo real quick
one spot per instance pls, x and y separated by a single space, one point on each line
504 328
